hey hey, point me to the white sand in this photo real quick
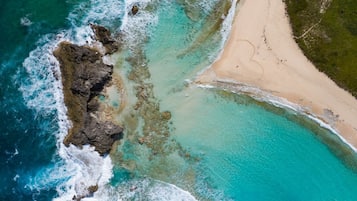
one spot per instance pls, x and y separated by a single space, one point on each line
261 52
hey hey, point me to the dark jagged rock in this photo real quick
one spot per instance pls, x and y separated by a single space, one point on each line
84 75
93 189
103 35
102 135
134 9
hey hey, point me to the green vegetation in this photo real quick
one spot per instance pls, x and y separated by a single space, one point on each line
326 31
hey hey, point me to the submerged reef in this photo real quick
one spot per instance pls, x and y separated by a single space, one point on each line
84 76
156 131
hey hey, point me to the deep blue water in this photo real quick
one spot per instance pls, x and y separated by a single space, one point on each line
27 143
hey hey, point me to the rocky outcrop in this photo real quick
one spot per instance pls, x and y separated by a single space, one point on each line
103 35
91 191
84 75
134 9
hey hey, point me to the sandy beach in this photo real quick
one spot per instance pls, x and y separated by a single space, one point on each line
261 52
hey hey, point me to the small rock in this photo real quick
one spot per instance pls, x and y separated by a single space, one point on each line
141 140
166 115
134 9
92 189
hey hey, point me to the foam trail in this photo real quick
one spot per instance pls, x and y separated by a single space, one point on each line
143 189
227 23
225 31
135 27
105 12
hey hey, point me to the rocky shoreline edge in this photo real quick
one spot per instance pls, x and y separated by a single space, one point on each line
84 76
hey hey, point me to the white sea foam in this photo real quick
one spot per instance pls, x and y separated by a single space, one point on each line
86 168
225 31
227 23
80 169
143 189
25 21
105 12
283 103
136 27
16 177
329 127
42 90
113 14
40 66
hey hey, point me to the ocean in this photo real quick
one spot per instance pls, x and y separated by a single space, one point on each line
217 145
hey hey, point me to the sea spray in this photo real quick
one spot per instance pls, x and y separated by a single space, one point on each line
108 13
88 169
42 92
135 27
42 89
143 189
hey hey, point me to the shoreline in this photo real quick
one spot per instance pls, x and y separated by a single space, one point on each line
261 53
278 102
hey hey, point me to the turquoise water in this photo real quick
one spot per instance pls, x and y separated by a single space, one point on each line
216 146
255 154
